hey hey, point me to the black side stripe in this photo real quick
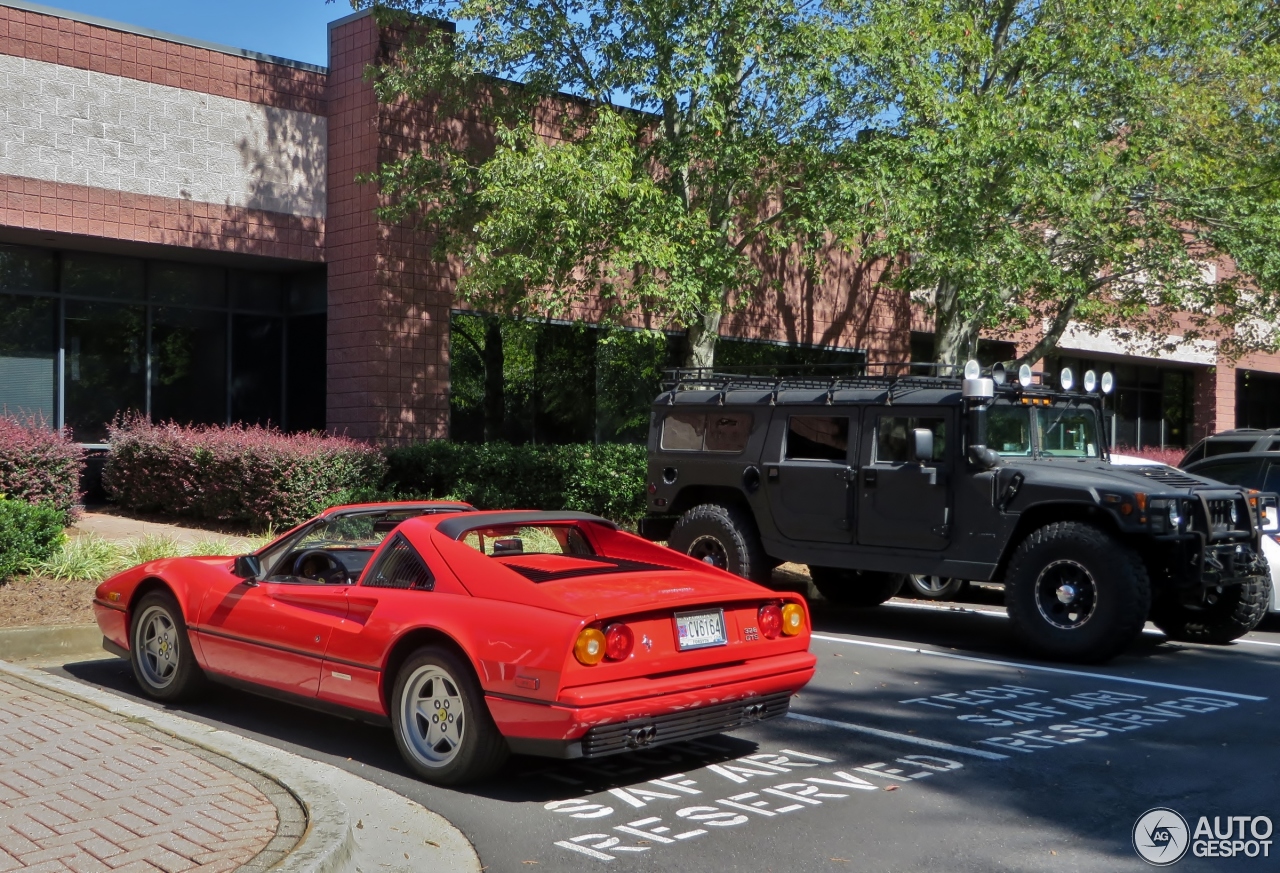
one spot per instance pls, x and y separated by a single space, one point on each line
277 648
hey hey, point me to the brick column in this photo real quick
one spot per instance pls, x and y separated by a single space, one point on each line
1215 400
388 302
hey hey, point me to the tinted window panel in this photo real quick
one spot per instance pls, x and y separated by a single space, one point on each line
683 431
728 432
188 365
187 284
400 567
818 437
256 368
1246 473
106 365
893 438
23 269
1227 447
1272 481
28 343
102 276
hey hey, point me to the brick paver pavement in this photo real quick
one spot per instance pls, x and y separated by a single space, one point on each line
83 791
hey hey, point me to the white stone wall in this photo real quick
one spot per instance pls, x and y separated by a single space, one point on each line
62 124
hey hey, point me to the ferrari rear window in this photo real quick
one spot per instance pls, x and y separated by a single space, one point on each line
526 539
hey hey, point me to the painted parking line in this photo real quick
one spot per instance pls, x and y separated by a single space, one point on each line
902 738
1035 667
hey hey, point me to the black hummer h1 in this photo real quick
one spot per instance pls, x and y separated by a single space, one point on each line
867 478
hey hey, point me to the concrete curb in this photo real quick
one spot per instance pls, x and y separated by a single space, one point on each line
17 643
353 824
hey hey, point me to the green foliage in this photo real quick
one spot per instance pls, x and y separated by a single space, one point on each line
606 480
1073 161
29 533
85 557
663 210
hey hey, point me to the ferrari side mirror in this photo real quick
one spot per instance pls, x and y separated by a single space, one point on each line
247 567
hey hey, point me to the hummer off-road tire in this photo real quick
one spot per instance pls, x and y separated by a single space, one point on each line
1217 615
1074 593
724 537
861 588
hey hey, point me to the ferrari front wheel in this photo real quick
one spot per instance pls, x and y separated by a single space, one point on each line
442 725
160 650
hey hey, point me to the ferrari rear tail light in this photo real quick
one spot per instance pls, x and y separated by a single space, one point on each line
770 617
590 647
792 619
618 641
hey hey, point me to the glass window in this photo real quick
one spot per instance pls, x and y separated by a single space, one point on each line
893 438
105 365
259 292
683 431
399 566
102 276
308 291
1068 432
24 269
187 284
188 365
1009 430
544 539
728 431
255 368
1245 473
1272 481
818 437
28 356
1228 446
306 362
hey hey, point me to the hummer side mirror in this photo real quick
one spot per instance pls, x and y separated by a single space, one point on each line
247 567
921 445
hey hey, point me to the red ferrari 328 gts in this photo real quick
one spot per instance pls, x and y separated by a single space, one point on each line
475 634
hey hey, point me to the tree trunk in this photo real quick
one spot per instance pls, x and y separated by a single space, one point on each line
494 381
700 341
955 333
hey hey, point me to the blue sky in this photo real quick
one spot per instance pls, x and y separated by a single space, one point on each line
294 29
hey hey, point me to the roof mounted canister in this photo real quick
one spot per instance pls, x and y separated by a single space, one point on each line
976 387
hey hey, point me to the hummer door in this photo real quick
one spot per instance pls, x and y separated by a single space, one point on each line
808 486
904 502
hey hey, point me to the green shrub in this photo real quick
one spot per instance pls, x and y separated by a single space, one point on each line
29 534
606 480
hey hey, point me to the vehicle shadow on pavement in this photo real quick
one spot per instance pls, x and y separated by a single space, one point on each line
356 746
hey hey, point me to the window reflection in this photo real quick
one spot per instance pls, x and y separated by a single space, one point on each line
255 369
105 367
28 356
188 365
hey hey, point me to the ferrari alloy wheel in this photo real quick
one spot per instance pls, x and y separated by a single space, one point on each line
159 650
442 725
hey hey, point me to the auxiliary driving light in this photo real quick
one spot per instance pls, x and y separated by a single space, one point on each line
972 369
1024 376
590 647
618 641
770 619
792 619
1090 381
1066 379
1108 382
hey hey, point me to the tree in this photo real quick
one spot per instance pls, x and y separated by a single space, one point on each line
1049 161
650 154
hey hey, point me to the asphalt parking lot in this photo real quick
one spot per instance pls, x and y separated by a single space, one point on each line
925 742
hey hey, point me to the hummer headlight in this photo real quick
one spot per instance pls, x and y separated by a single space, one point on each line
1234 514
1175 515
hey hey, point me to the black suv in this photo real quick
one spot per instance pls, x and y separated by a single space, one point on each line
1231 442
866 478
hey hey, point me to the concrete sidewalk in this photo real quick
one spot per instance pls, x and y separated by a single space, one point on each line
115 527
90 781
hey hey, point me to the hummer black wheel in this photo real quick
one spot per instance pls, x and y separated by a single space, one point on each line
1217 615
724 537
855 587
1076 594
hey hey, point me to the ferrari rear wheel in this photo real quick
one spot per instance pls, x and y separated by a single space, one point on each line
442 725
160 650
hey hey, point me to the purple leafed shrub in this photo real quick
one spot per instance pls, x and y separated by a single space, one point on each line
255 475
38 464
1168 456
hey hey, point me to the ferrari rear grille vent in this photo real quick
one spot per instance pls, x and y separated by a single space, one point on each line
1167 477
609 739
400 567
604 567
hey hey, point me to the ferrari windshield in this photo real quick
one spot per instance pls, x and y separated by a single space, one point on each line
363 530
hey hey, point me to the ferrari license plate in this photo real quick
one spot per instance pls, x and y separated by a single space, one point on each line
697 630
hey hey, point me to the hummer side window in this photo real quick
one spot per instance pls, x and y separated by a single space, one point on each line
700 431
893 438
817 438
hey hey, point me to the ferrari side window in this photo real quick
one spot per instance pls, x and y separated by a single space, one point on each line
400 567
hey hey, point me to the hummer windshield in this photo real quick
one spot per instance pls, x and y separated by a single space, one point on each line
1063 431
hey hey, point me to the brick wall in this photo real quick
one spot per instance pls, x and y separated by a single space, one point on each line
105 133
